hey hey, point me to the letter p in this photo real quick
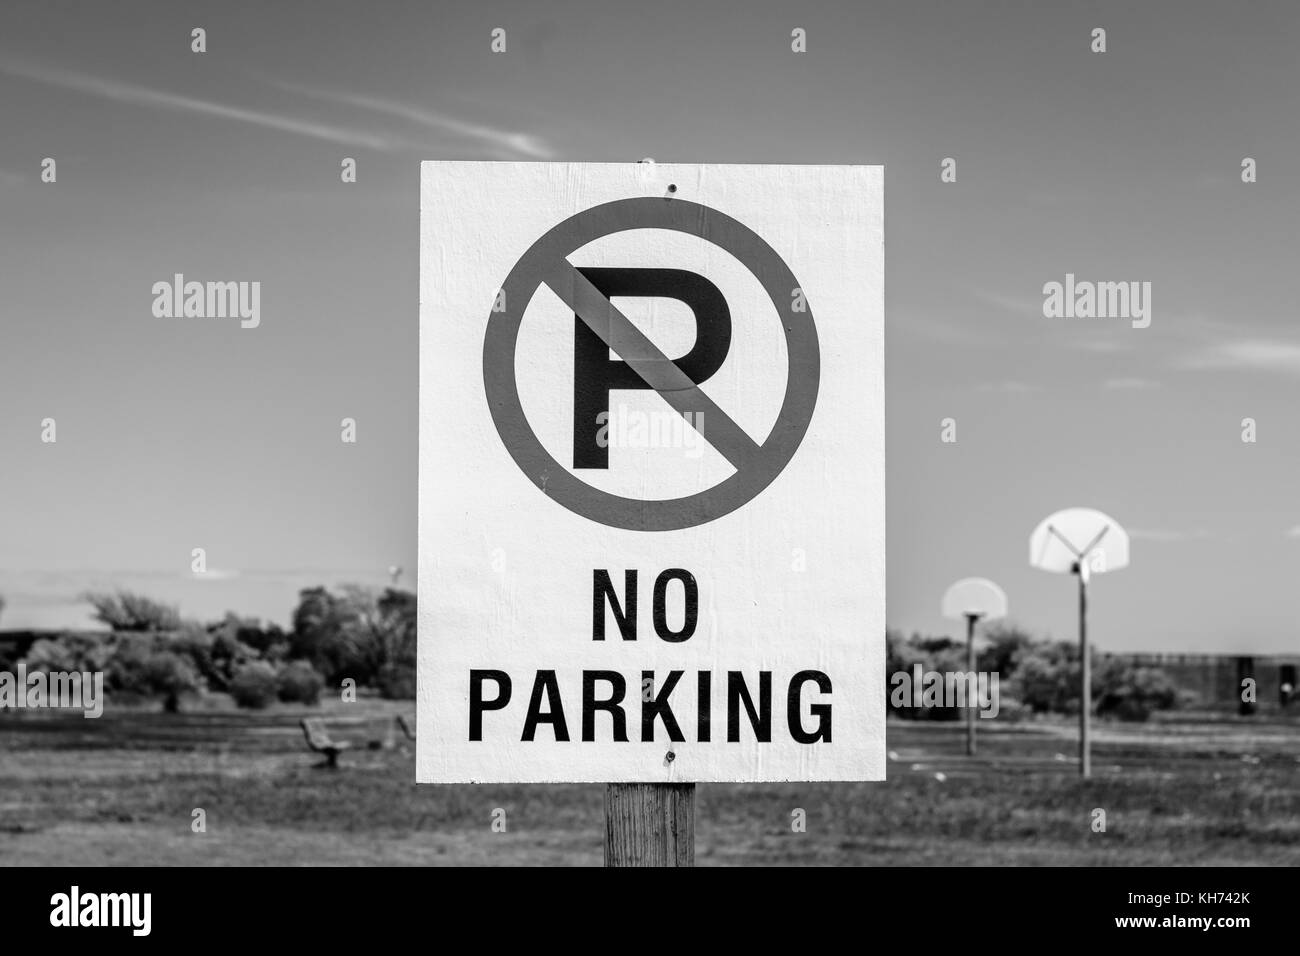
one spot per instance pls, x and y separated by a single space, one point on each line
595 374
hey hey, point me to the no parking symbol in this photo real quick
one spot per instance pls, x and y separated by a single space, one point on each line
546 263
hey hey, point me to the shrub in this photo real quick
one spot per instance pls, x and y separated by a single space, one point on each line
229 654
902 654
170 675
335 633
1046 678
300 682
356 633
148 666
248 632
1005 646
125 611
69 652
125 671
1131 692
397 682
255 685
1035 676
195 645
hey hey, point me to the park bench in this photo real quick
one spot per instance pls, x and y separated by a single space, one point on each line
319 740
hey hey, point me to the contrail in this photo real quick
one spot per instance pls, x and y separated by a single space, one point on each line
143 96
524 144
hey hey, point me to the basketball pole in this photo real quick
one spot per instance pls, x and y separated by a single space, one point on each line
1085 672
970 669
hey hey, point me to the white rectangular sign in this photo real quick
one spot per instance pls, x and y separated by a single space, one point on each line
652 473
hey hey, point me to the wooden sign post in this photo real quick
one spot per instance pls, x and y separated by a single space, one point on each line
650 824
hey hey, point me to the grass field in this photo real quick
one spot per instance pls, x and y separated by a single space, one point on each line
121 790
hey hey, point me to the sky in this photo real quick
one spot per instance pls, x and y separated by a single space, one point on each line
1115 166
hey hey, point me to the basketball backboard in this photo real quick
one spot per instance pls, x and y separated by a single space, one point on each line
1075 536
978 597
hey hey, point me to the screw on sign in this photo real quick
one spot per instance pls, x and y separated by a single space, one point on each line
615 612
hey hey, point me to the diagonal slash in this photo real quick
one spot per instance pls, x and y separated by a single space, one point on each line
656 369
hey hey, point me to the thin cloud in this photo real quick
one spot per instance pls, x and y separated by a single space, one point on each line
506 141
1293 531
934 330
215 574
1265 355
143 96
1019 304
1129 384
1101 346
1008 387
1165 536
